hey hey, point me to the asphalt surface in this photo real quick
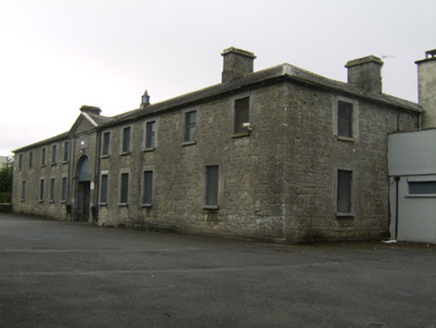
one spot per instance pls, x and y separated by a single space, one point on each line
65 274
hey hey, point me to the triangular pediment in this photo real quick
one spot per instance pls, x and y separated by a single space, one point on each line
83 124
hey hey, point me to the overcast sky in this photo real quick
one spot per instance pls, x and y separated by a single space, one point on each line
57 55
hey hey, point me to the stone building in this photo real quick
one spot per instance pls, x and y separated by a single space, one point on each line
279 154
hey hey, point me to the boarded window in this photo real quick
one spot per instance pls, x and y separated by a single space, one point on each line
150 135
106 143
126 139
124 193
212 185
241 115
54 154
66 150
41 189
344 191
104 188
422 187
64 189
190 125
345 114
147 192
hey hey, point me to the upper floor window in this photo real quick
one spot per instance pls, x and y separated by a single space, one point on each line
43 156
126 139
190 126
242 115
345 122
54 154
20 162
66 151
31 159
150 135
106 143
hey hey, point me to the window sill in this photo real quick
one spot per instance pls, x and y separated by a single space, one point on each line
189 143
146 150
421 196
241 135
125 153
103 204
51 201
345 215
22 200
54 164
41 201
43 165
65 162
63 202
211 207
346 139
147 205
122 204
104 156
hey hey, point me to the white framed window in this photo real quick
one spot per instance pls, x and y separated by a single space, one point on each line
422 188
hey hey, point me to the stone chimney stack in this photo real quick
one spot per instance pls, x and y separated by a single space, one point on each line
427 88
366 73
90 110
237 63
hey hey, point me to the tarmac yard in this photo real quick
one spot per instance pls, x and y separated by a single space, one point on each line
66 274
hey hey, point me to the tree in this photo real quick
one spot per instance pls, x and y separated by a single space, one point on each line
6 182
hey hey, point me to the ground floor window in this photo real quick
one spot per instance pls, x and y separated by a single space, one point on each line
52 189
147 191
104 188
64 189
23 191
124 192
212 179
41 190
422 187
344 191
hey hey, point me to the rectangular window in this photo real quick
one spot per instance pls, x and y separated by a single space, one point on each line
106 143
41 189
52 189
31 159
241 115
212 185
150 135
104 188
344 191
43 155
147 192
126 139
20 162
66 151
54 154
422 187
124 194
345 115
64 189
23 191
190 124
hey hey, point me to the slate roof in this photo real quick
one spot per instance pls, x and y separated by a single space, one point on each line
276 74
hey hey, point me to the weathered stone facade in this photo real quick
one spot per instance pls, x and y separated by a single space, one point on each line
271 175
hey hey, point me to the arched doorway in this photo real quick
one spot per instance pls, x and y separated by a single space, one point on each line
83 188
